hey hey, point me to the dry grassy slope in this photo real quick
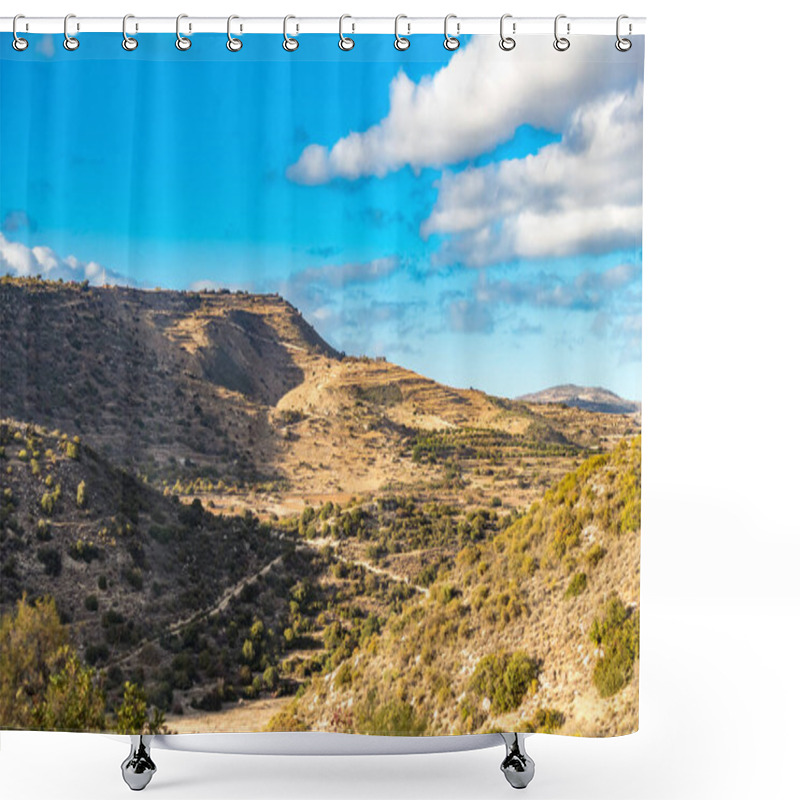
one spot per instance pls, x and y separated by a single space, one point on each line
236 386
510 595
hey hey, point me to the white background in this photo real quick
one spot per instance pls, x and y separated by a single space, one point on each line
720 570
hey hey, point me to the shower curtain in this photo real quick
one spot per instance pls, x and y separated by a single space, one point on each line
320 384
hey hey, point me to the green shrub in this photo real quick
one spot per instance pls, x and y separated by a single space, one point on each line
132 715
91 602
50 499
271 678
51 558
84 551
43 531
595 554
576 585
505 679
545 720
81 498
393 717
286 719
618 634
133 575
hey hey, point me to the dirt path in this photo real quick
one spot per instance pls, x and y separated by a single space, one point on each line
334 545
225 598
222 603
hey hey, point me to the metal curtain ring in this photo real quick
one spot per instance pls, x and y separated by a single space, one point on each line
506 42
181 42
450 42
128 42
401 42
561 43
18 43
623 45
345 42
289 44
233 44
70 42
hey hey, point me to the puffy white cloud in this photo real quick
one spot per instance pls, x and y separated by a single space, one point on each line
472 104
582 194
22 261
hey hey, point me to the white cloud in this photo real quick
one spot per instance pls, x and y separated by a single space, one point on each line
22 261
472 104
582 194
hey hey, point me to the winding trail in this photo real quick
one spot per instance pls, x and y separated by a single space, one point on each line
234 591
319 543
222 603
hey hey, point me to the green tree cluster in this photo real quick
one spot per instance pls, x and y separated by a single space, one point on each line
43 684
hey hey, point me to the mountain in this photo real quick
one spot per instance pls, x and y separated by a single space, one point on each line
249 524
593 398
191 389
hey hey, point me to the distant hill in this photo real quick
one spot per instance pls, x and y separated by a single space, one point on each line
589 398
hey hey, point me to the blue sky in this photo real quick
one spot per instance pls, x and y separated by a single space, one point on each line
474 216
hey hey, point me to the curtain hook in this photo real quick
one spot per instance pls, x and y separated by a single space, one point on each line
70 42
561 43
345 42
401 42
290 44
506 42
623 45
450 42
128 42
233 44
181 42
18 43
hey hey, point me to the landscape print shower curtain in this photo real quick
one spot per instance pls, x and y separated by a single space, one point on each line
319 385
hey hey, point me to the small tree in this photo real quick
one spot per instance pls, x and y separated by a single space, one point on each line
132 715
43 683
81 497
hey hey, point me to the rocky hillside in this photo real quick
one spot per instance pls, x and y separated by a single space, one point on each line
128 566
201 390
538 622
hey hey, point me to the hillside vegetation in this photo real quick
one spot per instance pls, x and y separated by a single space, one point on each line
234 524
504 630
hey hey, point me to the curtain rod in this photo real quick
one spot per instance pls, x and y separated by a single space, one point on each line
407 25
